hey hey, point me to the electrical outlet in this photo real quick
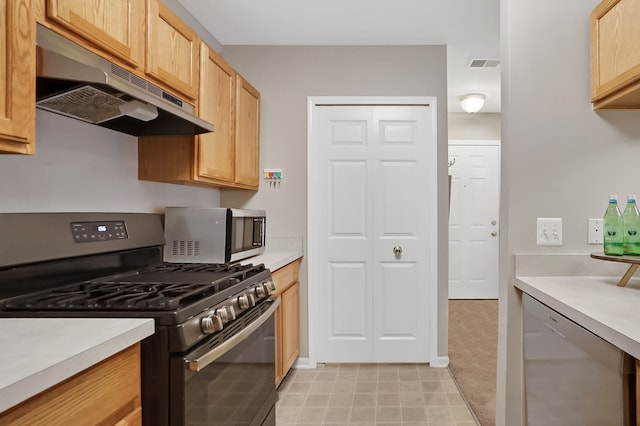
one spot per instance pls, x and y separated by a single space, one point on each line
595 231
549 231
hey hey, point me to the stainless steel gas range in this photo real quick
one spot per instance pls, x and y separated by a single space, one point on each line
212 357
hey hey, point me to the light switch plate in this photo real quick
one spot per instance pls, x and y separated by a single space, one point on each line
549 231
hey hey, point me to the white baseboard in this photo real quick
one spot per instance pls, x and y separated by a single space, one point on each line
440 362
304 363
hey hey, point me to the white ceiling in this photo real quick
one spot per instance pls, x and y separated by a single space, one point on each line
469 28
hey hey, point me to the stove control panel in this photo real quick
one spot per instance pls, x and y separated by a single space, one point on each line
88 232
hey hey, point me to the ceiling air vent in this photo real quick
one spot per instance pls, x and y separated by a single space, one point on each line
484 63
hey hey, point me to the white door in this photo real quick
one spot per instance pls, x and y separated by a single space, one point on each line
473 220
372 179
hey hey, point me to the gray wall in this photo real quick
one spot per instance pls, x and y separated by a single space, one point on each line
82 167
286 76
559 157
477 126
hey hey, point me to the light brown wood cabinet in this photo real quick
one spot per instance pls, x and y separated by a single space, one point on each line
615 57
172 50
116 26
287 318
228 157
106 394
215 151
247 159
17 77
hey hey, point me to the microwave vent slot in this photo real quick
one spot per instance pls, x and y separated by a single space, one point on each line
188 248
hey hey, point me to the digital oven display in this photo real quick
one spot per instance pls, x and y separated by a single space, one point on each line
88 232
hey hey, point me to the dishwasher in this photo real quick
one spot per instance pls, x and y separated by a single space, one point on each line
572 376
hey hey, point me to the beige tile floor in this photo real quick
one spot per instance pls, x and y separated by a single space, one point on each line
371 394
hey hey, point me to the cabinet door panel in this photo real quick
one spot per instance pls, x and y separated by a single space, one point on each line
279 365
17 77
172 50
116 26
290 326
105 394
216 105
247 158
615 58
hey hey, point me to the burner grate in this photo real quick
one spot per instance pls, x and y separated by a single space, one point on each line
116 295
168 287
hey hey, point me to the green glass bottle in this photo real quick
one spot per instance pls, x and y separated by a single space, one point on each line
613 229
631 220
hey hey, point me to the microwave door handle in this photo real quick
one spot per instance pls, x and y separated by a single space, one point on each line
258 237
200 363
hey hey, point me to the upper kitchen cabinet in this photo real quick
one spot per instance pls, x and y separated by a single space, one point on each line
215 151
247 159
17 77
172 50
227 157
615 56
114 26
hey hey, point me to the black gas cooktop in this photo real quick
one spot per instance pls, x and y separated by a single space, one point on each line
170 287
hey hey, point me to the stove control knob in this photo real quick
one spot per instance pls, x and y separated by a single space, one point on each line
270 286
252 299
231 312
260 290
211 324
243 301
222 314
226 313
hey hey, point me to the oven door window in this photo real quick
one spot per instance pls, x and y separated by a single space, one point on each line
237 388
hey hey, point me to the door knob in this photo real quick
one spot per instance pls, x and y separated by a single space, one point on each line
494 233
397 250
493 222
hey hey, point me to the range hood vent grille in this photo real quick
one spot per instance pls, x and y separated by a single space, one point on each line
85 103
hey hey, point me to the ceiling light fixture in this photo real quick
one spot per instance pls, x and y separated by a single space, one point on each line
472 102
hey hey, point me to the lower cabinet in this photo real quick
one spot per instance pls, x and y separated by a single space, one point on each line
106 394
287 318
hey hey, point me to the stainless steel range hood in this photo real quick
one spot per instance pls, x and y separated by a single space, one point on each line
77 83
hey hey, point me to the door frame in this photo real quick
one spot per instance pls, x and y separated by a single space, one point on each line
314 208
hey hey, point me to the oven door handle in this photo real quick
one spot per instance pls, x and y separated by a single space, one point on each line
206 359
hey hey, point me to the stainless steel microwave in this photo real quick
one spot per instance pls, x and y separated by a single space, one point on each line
213 235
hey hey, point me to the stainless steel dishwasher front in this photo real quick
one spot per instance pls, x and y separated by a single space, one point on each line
572 376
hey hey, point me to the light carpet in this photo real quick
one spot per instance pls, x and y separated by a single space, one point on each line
473 349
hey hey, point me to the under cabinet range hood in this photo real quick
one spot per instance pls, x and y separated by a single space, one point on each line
77 83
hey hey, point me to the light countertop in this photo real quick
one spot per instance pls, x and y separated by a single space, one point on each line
275 259
37 353
594 302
